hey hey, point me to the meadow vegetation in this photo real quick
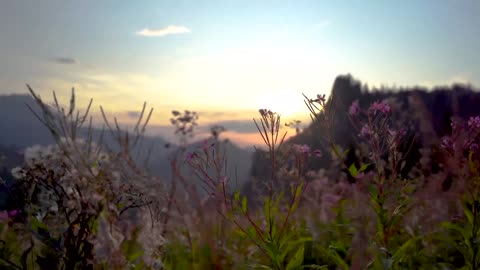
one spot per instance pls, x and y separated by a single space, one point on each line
80 205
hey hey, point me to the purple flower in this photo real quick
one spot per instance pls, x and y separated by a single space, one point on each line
354 108
206 145
13 213
380 106
474 123
447 143
189 156
396 134
301 149
456 124
317 152
474 147
366 131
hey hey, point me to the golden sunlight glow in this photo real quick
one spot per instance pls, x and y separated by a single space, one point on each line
288 104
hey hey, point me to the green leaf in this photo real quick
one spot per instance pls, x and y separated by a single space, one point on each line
293 245
464 231
244 205
363 167
333 255
236 197
468 214
402 251
36 224
296 260
353 170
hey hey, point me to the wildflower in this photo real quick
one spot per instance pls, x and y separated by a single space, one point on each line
18 173
321 99
447 143
366 131
301 149
456 124
474 123
474 147
317 152
13 213
33 154
53 208
189 156
381 107
354 108
206 145
265 112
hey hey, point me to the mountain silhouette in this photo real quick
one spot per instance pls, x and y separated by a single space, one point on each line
21 129
427 114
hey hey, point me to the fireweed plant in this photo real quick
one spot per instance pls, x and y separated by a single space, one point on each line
83 204
389 194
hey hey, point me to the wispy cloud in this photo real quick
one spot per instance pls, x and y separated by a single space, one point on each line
64 60
322 24
133 114
169 30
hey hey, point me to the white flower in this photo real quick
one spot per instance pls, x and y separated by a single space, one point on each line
33 154
53 208
95 170
18 173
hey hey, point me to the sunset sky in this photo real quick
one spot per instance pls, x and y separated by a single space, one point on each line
226 59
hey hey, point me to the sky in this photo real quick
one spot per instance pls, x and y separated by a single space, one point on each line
226 59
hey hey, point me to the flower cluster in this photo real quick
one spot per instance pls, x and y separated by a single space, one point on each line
354 108
303 149
464 136
380 106
474 123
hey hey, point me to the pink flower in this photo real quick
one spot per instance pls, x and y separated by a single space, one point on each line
189 156
301 149
447 143
366 131
474 123
354 108
456 124
13 213
317 152
474 147
206 145
381 107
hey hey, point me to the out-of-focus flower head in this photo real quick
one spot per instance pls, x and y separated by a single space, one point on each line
317 152
366 131
189 156
447 143
354 108
380 106
474 147
301 148
474 123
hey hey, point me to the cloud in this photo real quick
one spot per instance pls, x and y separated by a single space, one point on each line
133 114
171 29
64 60
238 126
456 79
